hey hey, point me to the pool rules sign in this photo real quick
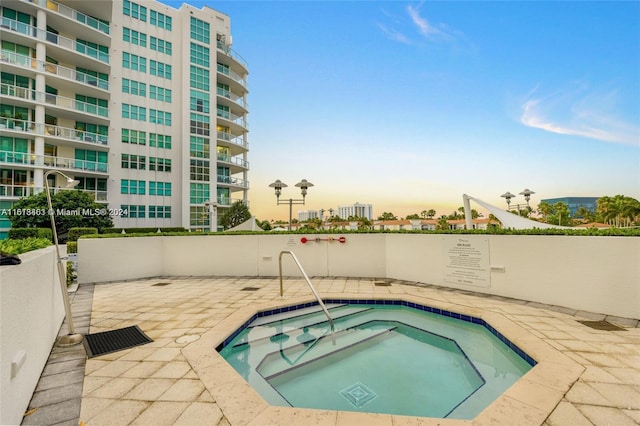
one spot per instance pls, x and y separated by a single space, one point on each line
466 260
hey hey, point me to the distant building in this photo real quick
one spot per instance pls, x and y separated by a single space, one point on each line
356 210
304 215
575 203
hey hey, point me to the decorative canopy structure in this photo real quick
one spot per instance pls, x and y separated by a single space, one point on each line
508 219
248 225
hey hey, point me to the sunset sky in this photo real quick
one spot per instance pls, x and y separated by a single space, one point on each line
408 105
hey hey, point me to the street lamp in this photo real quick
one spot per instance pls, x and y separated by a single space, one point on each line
508 196
304 185
72 338
527 196
212 208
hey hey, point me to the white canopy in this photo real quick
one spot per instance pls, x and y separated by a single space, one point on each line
248 225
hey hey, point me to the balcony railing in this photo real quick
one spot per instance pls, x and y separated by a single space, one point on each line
232 74
233 160
49 98
229 95
230 180
60 71
230 52
25 191
240 121
236 140
67 43
52 130
14 157
63 10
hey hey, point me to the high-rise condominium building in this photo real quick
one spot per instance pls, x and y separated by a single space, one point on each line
356 210
144 104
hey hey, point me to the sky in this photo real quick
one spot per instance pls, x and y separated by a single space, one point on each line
409 105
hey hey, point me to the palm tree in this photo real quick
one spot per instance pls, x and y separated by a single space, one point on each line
546 210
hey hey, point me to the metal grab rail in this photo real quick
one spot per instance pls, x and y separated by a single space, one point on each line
304 274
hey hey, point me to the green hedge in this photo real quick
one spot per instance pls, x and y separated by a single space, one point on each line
75 233
22 233
72 246
23 245
141 230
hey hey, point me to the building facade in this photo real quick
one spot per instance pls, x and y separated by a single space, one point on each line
356 210
574 203
144 104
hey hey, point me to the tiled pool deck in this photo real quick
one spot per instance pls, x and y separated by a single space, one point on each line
584 376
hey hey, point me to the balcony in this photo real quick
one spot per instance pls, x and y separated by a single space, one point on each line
66 11
233 181
236 161
52 131
232 75
25 191
49 161
55 39
232 96
31 95
224 48
69 74
232 118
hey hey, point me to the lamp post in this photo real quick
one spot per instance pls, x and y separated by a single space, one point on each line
71 338
213 215
304 185
527 196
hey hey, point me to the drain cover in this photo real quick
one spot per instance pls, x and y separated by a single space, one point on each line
382 284
107 342
358 394
601 325
160 284
250 289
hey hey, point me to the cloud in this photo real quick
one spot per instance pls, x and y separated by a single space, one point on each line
415 21
580 111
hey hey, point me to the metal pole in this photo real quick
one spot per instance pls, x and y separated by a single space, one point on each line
72 338
290 212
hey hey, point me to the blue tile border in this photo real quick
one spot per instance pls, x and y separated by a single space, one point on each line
462 317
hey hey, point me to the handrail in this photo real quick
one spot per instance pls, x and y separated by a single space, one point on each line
304 274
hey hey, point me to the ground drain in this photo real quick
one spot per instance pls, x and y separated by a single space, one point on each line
601 325
382 284
107 342
250 289
159 284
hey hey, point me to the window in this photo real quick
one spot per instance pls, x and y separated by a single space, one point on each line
159 141
159 164
86 159
160 188
134 37
199 101
160 117
199 55
161 46
199 147
136 187
134 10
94 50
160 69
199 170
130 161
160 212
134 136
134 62
160 20
134 112
134 87
132 211
160 93
199 78
200 31
198 193
199 124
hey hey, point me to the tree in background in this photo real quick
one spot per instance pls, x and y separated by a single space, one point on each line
387 216
413 216
71 208
618 211
235 215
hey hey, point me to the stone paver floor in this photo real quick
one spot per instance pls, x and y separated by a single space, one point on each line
161 383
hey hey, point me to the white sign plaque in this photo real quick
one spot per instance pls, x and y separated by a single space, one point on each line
466 260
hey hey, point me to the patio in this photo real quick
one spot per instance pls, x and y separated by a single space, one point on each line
169 381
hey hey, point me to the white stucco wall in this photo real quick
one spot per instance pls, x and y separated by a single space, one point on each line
596 274
31 312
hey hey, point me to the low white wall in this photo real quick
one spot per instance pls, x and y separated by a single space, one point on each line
31 312
596 274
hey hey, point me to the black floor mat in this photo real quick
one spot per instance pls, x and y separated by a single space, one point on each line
107 342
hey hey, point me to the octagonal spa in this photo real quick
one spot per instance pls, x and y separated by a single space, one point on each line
384 357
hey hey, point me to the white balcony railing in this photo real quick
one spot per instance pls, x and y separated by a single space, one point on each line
230 180
236 140
49 161
232 74
229 95
234 160
240 121
51 99
67 43
231 53
63 10
53 131
66 73
25 191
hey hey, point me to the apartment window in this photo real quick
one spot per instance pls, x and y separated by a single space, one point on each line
134 62
134 136
160 117
199 124
160 188
94 50
199 78
200 55
160 141
134 112
159 164
90 160
160 20
134 10
92 105
160 93
133 87
199 101
134 37
198 193
200 31
135 187
160 212
130 161
92 77
160 45
199 170
133 211
160 69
